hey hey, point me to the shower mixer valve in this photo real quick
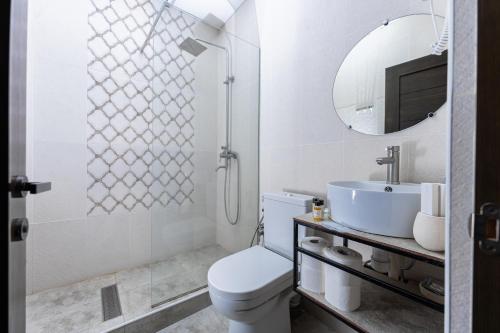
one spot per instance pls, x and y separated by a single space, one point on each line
229 79
227 155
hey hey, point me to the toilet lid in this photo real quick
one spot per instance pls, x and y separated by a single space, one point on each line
250 274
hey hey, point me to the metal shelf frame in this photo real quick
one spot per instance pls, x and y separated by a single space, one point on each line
384 284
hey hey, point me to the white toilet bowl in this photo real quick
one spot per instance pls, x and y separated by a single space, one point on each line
252 288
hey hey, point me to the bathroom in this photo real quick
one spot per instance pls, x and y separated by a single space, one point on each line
176 146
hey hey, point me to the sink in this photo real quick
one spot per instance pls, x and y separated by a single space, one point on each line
375 207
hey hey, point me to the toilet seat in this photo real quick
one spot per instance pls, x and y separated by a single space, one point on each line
250 277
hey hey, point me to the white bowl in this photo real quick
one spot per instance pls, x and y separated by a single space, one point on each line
375 207
429 231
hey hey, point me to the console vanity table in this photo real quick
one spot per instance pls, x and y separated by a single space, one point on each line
386 305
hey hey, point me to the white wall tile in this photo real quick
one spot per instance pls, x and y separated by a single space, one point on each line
59 100
204 231
140 238
58 32
320 164
107 243
171 239
59 254
278 168
235 238
63 164
427 155
172 231
301 53
244 26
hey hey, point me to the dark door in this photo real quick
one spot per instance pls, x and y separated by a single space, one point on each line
486 280
413 90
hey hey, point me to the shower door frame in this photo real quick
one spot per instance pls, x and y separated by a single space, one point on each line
13 122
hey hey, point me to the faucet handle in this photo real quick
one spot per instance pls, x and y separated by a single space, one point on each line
392 148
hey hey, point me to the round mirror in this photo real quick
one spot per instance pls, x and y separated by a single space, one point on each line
391 80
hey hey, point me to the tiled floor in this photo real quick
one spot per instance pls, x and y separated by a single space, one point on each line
209 321
77 308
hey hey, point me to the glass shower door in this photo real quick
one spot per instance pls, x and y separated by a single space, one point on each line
189 227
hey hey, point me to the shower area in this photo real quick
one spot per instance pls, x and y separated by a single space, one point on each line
144 115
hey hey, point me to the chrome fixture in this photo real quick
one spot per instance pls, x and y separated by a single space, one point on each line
192 46
392 161
195 47
164 6
227 156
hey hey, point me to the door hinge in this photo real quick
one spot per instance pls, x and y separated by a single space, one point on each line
486 228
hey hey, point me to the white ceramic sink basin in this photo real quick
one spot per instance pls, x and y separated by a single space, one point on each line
375 207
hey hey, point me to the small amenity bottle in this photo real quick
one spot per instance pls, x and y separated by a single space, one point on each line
326 213
317 209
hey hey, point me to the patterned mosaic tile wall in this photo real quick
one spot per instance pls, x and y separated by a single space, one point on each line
140 134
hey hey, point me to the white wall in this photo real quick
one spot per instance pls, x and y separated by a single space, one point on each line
56 115
304 144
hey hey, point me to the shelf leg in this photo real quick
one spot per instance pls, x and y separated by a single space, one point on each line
295 255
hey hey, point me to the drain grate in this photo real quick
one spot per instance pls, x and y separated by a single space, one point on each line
111 307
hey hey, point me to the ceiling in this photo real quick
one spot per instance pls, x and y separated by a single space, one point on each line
222 9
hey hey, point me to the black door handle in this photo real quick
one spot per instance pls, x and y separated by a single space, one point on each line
19 186
35 188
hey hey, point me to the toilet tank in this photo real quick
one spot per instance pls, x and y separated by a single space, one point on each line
279 211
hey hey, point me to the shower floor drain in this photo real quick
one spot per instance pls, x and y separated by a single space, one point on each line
111 307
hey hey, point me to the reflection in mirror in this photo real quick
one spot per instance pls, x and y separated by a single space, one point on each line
390 80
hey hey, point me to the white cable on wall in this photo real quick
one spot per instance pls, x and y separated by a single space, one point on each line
441 43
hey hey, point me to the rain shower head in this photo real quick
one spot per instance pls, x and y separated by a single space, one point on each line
192 46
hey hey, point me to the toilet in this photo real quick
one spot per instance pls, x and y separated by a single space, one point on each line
253 287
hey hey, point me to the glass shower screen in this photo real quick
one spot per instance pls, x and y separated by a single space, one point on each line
204 150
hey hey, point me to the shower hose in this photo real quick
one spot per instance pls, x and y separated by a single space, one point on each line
227 191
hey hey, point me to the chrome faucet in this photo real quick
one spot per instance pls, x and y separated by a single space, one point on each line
392 161
225 154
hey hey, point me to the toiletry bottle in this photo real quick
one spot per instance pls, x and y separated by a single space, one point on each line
326 213
318 209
